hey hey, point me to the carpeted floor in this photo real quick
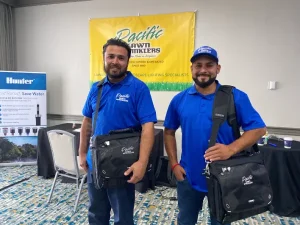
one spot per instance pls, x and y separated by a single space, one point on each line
11 175
25 203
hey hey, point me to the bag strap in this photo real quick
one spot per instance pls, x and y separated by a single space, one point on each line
232 121
231 114
100 87
97 181
224 109
220 111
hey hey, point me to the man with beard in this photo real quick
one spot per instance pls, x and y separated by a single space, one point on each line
192 111
126 102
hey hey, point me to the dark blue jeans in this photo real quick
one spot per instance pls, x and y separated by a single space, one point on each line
190 203
120 200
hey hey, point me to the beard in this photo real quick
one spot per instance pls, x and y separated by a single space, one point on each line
114 71
204 84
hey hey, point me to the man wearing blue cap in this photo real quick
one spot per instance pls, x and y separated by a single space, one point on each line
191 110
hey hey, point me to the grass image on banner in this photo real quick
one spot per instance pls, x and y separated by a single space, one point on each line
161 47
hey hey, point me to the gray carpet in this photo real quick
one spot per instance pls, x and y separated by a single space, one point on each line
25 203
12 175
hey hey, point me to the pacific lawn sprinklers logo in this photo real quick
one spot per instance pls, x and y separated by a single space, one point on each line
122 98
128 150
138 41
247 180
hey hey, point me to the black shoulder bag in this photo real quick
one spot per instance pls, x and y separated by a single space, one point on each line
113 153
164 175
238 187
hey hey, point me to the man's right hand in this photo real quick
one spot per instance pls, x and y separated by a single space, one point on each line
179 173
82 162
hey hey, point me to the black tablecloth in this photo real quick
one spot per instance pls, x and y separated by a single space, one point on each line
45 160
283 166
157 151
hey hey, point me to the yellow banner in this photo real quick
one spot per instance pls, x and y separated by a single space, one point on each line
161 48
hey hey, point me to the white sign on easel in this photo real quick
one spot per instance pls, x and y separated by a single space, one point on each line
23 111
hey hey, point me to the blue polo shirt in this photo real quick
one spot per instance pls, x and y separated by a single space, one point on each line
192 111
123 105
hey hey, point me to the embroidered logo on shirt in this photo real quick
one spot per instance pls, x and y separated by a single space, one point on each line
122 98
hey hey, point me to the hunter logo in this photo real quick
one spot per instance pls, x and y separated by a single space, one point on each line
128 150
139 41
247 180
10 80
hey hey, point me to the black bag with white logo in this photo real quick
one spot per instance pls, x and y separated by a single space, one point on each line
114 153
164 174
238 187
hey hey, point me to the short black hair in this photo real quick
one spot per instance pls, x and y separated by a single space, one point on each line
118 42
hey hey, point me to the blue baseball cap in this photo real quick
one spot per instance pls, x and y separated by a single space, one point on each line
205 50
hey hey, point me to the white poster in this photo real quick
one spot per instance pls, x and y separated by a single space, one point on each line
23 111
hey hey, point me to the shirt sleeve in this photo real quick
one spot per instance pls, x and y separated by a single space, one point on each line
248 118
145 109
87 110
172 120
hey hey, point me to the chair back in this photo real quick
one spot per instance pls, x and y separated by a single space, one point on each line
62 145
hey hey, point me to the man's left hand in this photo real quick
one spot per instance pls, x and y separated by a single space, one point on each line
138 170
218 152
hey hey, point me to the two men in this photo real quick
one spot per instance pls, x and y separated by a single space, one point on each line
191 110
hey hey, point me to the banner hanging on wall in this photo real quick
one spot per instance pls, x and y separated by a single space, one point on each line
23 112
161 48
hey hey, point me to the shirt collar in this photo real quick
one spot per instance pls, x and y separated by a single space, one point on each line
126 81
194 91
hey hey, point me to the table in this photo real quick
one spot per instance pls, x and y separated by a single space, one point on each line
283 166
46 165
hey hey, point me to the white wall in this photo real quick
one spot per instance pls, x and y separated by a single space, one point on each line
257 41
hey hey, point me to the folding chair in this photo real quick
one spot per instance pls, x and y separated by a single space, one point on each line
66 161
